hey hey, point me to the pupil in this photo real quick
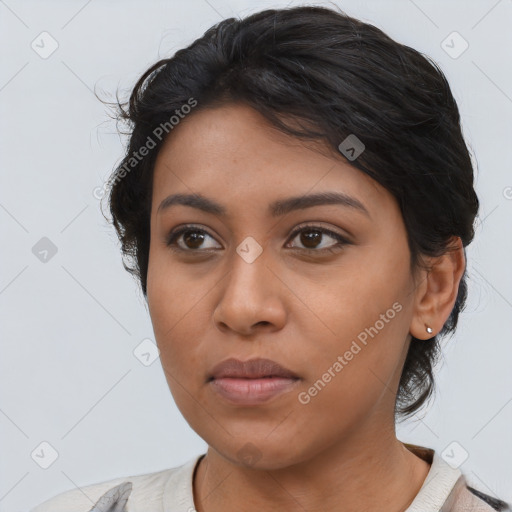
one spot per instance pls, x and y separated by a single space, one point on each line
194 237
307 237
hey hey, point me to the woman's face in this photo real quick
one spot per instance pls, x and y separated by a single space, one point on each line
246 284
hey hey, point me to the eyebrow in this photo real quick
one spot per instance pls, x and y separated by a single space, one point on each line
276 209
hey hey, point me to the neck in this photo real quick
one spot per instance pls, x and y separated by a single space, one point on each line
358 474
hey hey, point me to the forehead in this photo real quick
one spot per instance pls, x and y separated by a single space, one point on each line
234 154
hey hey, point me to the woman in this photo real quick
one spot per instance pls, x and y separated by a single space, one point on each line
296 199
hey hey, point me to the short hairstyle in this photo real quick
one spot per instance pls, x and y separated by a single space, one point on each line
333 76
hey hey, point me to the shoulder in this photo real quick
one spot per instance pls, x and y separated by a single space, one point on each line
464 497
494 503
144 492
447 489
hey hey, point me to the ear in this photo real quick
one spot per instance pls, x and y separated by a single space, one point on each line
436 291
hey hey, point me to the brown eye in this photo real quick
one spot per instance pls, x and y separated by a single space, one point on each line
311 238
192 239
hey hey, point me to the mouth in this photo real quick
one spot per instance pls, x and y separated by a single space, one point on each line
252 369
251 382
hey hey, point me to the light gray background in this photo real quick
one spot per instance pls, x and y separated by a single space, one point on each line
69 326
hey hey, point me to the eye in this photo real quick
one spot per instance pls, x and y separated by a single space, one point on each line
311 235
193 238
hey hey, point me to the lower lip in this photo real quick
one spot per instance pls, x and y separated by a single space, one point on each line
252 391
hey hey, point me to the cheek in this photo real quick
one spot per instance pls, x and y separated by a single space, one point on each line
176 333
361 338
350 378
170 309
354 305
170 294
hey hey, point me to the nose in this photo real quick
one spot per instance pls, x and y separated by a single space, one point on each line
251 299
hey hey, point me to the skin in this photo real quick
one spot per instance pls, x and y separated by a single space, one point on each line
292 305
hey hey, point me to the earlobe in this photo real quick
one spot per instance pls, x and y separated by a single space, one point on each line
437 292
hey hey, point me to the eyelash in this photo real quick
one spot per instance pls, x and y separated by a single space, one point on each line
342 241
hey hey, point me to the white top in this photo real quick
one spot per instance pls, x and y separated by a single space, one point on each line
170 490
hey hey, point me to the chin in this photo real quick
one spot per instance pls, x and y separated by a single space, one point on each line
261 455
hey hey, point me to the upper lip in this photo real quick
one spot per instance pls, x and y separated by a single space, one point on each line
251 369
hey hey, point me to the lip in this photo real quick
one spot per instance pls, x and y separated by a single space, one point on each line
251 382
252 391
251 369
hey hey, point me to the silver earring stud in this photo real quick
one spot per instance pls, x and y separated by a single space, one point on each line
429 329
